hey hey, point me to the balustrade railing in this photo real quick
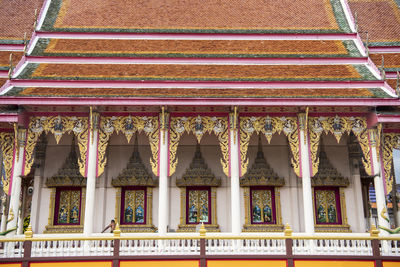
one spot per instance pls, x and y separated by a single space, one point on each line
196 245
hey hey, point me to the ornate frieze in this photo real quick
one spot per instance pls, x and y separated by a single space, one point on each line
57 125
199 126
390 141
7 141
338 126
269 126
128 125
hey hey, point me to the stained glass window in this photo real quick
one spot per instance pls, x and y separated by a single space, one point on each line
327 206
133 206
68 206
198 205
262 205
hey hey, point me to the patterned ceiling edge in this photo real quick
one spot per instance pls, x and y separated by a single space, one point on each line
42 44
201 93
55 6
29 70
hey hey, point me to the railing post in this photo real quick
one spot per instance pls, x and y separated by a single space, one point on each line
27 246
376 253
202 231
117 234
289 245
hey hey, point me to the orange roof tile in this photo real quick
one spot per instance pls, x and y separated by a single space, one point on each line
192 72
175 92
194 14
17 17
391 60
231 47
5 58
380 18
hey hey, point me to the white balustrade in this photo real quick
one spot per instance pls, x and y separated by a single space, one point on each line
158 247
390 247
245 247
12 249
332 247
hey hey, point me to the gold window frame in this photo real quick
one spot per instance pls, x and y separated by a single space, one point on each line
344 227
51 228
148 225
249 227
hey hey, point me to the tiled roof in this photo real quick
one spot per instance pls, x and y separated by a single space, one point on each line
196 72
194 15
17 18
381 19
200 92
201 48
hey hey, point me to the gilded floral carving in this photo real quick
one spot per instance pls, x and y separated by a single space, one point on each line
269 126
7 147
338 126
58 126
128 125
390 141
199 126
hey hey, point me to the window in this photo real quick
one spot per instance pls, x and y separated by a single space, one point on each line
198 205
68 206
327 205
133 206
262 205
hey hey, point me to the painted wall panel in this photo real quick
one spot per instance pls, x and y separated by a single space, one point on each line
305 263
391 263
250 263
72 264
10 264
166 263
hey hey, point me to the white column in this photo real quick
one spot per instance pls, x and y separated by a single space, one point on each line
3 215
235 187
163 203
16 182
90 183
35 199
378 181
305 177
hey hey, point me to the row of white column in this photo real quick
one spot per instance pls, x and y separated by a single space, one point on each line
163 211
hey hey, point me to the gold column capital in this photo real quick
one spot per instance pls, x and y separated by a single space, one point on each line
302 120
373 137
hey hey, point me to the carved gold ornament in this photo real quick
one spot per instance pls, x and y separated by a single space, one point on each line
58 126
199 126
338 126
390 141
128 125
7 148
269 126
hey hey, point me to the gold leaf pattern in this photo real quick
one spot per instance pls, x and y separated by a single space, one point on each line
390 141
128 125
199 126
7 148
269 126
58 126
338 126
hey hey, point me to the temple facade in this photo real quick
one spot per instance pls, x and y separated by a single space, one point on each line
208 134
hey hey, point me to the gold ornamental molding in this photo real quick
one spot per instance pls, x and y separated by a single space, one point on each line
390 141
128 125
58 126
7 148
199 126
269 126
338 126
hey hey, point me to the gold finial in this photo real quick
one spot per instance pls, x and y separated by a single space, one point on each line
202 230
367 44
288 230
383 73
117 231
374 232
29 233
11 67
